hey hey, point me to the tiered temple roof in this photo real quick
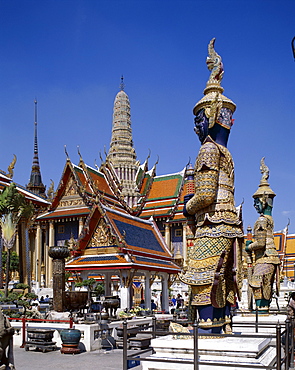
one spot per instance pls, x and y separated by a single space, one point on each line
111 236
165 199
38 201
116 240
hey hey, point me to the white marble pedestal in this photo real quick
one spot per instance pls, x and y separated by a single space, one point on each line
250 320
231 350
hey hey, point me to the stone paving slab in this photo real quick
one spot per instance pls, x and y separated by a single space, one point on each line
54 360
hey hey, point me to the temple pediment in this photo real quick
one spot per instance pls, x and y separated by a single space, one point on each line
102 241
71 197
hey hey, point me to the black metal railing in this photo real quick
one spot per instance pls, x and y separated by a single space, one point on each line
284 340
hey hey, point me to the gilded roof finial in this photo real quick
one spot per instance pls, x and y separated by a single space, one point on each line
50 191
11 167
79 153
81 162
66 152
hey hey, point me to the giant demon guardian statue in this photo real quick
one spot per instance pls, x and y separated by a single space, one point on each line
262 256
214 257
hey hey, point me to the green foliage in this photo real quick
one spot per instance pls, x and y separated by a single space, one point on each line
22 286
89 283
13 205
14 261
67 275
31 296
20 300
11 201
11 313
99 289
79 284
13 296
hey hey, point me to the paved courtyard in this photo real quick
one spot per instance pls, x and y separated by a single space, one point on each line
95 360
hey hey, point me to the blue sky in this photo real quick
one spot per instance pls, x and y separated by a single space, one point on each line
70 55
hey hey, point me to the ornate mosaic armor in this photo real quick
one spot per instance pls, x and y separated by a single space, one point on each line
218 223
265 256
262 254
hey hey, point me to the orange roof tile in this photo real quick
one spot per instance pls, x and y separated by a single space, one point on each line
165 187
64 213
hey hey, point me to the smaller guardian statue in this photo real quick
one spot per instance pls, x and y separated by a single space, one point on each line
263 258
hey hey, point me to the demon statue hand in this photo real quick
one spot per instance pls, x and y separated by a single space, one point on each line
214 255
262 255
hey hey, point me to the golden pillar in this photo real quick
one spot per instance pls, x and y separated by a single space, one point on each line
184 245
49 260
38 245
167 235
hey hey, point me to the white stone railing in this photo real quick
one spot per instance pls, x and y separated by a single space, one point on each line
90 333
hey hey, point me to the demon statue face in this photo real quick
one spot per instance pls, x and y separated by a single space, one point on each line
201 125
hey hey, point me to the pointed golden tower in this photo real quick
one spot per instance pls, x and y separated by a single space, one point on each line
122 154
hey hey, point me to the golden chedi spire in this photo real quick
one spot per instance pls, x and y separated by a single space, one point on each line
122 153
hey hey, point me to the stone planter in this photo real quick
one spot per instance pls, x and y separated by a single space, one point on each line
75 300
132 331
40 335
70 341
40 339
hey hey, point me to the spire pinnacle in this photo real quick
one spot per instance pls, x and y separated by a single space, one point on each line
35 101
35 185
122 85
35 136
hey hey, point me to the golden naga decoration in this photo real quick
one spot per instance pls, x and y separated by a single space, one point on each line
213 100
11 167
50 190
264 170
264 190
214 64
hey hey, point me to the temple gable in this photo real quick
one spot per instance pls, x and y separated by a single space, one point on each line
71 197
102 241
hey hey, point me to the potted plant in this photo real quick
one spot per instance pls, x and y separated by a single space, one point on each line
70 340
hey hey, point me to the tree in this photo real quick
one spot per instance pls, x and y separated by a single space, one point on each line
99 289
88 283
13 206
14 261
20 297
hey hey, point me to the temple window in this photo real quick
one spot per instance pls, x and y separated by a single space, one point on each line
61 229
178 232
